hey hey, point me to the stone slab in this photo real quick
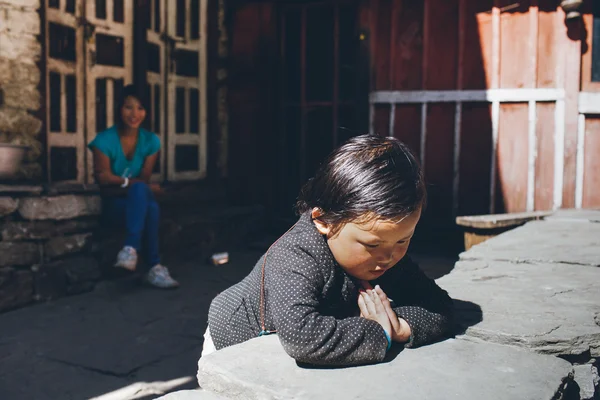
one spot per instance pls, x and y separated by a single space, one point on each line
31 189
19 253
575 215
8 205
549 307
192 395
63 245
36 230
453 369
586 377
569 242
59 207
495 221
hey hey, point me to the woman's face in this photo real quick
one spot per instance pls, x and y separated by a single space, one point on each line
132 113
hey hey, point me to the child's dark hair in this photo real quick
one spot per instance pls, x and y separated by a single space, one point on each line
368 176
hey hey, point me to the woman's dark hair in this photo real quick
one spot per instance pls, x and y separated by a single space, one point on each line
130 91
368 176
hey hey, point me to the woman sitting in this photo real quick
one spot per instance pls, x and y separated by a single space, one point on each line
124 158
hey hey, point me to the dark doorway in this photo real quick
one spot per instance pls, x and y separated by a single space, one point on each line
320 91
298 88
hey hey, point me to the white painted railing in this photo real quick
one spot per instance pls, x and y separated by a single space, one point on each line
495 97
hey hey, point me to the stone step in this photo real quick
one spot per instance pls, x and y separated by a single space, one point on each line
198 394
555 240
551 308
452 369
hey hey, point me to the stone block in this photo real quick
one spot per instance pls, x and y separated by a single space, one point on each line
579 215
38 230
32 4
197 394
551 308
554 240
24 96
30 171
19 123
63 245
8 205
458 369
82 273
16 288
586 377
59 207
24 48
49 281
19 253
5 69
25 73
22 21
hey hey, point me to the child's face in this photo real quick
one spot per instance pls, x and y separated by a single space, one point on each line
366 250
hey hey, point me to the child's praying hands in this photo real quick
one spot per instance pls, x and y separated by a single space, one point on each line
371 307
400 330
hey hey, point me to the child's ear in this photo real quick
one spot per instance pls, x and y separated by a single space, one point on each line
322 227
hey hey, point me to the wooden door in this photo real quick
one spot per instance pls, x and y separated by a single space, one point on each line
64 39
108 50
320 97
294 94
186 89
252 84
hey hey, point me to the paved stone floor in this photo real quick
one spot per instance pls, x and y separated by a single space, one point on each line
124 340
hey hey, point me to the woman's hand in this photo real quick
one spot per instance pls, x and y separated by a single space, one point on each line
372 308
156 189
400 329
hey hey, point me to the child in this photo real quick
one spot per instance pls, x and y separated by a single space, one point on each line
337 287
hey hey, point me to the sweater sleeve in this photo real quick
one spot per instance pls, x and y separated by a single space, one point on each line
426 307
310 337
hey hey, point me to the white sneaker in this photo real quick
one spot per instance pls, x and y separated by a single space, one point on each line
159 276
127 258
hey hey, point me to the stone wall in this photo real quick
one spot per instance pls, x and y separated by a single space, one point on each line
45 244
20 98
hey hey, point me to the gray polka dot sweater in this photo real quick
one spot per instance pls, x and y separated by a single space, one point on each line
312 304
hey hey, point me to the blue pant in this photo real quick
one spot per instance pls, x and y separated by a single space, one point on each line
139 214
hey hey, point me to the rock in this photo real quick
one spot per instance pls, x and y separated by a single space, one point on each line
59 207
198 394
19 253
82 273
596 377
563 241
575 215
62 245
8 205
547 307
459 369
16 288
584 376
49 281
28 230
27 189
